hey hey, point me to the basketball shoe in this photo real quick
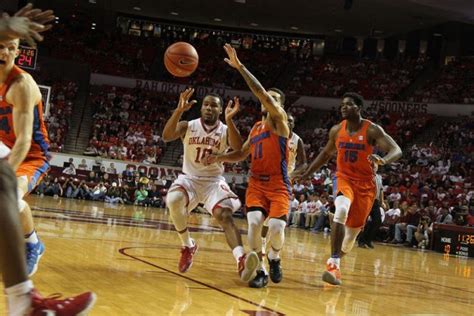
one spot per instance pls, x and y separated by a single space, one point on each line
261 280
78 305
248 265
276 273
186 260
332 275
34 252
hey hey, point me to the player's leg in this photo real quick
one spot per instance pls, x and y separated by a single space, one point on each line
21 297
342 203
246 263
264 235
368 234
255 219
177 201
34 246
12 249
280 204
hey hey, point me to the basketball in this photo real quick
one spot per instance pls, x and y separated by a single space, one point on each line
181 59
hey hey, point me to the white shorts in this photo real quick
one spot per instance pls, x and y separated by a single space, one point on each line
211 191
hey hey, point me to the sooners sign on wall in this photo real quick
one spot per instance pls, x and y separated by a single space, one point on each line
315 102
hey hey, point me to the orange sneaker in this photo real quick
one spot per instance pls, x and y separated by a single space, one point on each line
332 275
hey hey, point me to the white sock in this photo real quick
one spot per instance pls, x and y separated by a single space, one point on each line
33 238
264 241
19 299
272 254
238 252
336 261
186 239
261 267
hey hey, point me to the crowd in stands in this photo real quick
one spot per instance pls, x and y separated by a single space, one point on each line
128 123
453 84
374 79
106 184
61 104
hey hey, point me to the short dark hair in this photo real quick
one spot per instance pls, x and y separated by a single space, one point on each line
215 95
282 95
358 99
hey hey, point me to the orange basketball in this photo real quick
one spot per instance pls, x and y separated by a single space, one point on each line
181 59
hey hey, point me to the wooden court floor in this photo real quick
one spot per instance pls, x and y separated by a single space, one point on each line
128 255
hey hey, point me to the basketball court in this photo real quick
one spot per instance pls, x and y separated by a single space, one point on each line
129 256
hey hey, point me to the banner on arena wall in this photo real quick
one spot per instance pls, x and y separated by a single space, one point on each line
315 102
166 87
394 106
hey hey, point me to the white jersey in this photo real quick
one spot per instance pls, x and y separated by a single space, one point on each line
199 142
292 152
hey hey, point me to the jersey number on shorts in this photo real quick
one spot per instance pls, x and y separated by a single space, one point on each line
258 151
350 156
202 153
4 126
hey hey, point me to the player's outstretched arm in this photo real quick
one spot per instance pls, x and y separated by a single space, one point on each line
301 161
24 94
233 135
386 143
233 156
175 128
276 112
324 156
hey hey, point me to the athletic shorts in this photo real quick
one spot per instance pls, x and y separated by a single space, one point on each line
272 196
362 195
33 169
213 192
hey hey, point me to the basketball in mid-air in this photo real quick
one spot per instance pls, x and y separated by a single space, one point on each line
181 59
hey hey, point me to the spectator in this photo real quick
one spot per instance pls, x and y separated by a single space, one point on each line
114 195
141 196
98 192
408 224
82 165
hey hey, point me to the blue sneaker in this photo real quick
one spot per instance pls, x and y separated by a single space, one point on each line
34 252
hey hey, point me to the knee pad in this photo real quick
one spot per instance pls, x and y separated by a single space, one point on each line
276 225
176 200
349 239
255 219
343 205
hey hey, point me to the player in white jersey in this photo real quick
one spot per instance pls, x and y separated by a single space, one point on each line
202 183
296 154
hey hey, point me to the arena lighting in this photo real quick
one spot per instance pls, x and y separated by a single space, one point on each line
294 28
253 24
217 19
137 8
174 13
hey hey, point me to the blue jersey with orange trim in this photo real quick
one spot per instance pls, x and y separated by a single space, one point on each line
40 143
269 152
353 152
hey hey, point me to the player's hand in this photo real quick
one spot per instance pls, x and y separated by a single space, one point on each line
233 60
376 159
23 28
37 16
232 108
184 103
210 159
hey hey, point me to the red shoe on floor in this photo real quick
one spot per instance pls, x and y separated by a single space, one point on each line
332 275
186 260
78 305
248 265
